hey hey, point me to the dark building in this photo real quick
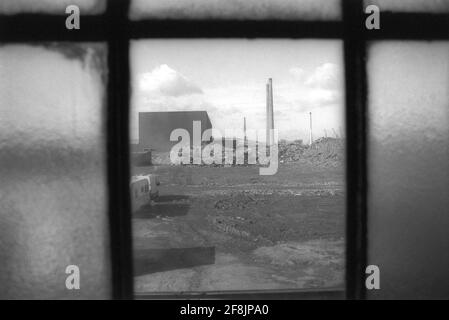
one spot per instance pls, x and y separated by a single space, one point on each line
155 127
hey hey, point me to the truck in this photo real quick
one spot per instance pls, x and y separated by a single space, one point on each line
144 188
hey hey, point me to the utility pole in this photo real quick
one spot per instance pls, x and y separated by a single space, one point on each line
310 136
245 143
244 129
270 117
336 135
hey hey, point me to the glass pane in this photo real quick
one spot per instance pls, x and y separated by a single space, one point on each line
409 168
51 6
237 9
433 6
225 223
53 193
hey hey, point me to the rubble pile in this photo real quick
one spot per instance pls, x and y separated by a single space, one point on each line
290 151
323 152
328 152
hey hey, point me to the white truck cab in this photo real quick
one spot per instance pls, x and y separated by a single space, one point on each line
144 188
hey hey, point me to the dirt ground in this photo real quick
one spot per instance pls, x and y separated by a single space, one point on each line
228 228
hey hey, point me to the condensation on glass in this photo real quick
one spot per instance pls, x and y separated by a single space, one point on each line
87 7
225 227
408 219
430 6
53 192
237 9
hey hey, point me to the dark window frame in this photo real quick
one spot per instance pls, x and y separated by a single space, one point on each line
117 30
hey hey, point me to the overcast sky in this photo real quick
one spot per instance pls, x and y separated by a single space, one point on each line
227 79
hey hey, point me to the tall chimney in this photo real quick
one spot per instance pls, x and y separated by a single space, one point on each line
310 137
245 141
244 127
270 117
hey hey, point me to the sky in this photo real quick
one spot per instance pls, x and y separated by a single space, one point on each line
227 79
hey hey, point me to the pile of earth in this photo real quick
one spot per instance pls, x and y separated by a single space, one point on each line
323 152
328 152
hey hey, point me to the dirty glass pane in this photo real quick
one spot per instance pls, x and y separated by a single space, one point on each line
229 223
53 192
433 6
237 9
51 6
409 168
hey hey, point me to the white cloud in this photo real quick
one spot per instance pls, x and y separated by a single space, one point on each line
298 73
318 90
165 81
324 76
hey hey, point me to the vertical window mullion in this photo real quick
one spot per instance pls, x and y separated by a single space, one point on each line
118 149
356 132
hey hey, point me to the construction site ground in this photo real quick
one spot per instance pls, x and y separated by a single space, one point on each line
228 228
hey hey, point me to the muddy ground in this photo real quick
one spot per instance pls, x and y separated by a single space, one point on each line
228 228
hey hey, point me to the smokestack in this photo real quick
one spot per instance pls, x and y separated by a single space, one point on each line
244 127
270 117
310 137
245 141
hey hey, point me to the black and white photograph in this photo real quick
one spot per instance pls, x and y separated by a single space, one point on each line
221 150
218 223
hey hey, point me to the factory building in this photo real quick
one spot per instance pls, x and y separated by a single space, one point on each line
155 127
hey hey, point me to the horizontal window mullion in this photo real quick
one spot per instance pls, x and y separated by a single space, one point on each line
38 27
43 27
410 26
234 29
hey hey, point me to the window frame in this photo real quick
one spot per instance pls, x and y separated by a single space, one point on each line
116 29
